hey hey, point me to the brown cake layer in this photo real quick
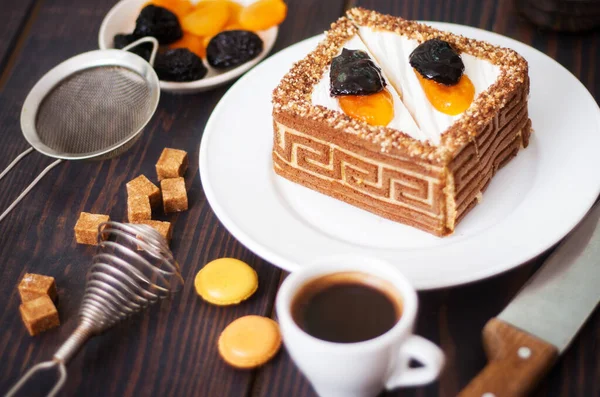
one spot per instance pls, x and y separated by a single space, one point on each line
404 190
383 170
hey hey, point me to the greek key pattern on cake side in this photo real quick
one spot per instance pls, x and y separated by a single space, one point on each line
517 104
498 141
394 185
474 156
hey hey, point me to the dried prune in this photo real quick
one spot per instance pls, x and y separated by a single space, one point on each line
437 60
179 7
144 49
159 23
354 73
179 64
122 40
233 48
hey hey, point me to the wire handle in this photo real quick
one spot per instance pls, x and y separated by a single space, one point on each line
15 161
62 371
147 39
31 185
62 357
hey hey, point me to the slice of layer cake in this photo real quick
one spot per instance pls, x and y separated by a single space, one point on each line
401 119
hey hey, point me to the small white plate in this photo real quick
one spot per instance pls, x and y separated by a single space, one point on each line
530 205
121 19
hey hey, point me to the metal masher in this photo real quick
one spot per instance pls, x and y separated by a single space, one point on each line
91 106
133 268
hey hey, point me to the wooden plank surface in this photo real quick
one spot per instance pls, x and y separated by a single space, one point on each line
14 21
171 350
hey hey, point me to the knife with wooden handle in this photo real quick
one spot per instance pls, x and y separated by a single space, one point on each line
528 336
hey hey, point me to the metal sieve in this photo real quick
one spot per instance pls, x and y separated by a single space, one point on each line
92 106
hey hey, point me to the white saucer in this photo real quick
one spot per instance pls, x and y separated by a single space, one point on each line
530 205
121 19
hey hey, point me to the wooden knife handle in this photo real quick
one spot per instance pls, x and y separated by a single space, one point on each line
517 361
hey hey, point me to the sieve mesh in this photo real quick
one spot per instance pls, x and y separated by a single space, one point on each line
93 110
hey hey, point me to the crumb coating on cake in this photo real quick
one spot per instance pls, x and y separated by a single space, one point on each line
293 94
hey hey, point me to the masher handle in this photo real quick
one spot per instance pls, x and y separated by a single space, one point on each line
62 357
62 371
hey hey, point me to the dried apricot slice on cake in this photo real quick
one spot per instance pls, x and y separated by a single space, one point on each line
374 109
440 71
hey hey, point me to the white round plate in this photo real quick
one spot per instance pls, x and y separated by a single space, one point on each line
530 204
121 19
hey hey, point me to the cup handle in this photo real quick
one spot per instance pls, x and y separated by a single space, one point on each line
422 350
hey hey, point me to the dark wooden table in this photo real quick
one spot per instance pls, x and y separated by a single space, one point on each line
171 349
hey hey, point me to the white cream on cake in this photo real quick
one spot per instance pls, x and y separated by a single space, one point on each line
392 52
402 121
413 114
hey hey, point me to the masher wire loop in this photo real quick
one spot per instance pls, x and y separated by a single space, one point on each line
133 269
91 106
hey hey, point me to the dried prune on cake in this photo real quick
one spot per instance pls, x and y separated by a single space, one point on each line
437 60
144 49
354 73
179 64
233 48
158 22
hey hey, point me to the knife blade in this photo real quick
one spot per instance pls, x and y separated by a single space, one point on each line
527 337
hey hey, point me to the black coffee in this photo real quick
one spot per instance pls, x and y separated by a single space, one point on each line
346 307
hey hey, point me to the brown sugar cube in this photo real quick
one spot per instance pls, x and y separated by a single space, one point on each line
164 228
86 228
33 286
39 315
174 195
141 186
172 163
138 208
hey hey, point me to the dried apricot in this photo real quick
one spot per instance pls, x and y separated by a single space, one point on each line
178 7
451 100
235 9
233 26
193 43
374 109
263 14
207 19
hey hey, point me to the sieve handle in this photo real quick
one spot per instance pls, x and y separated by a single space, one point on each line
15 161
31 185
147 39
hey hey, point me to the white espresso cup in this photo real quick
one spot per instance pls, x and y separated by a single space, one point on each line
360 369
